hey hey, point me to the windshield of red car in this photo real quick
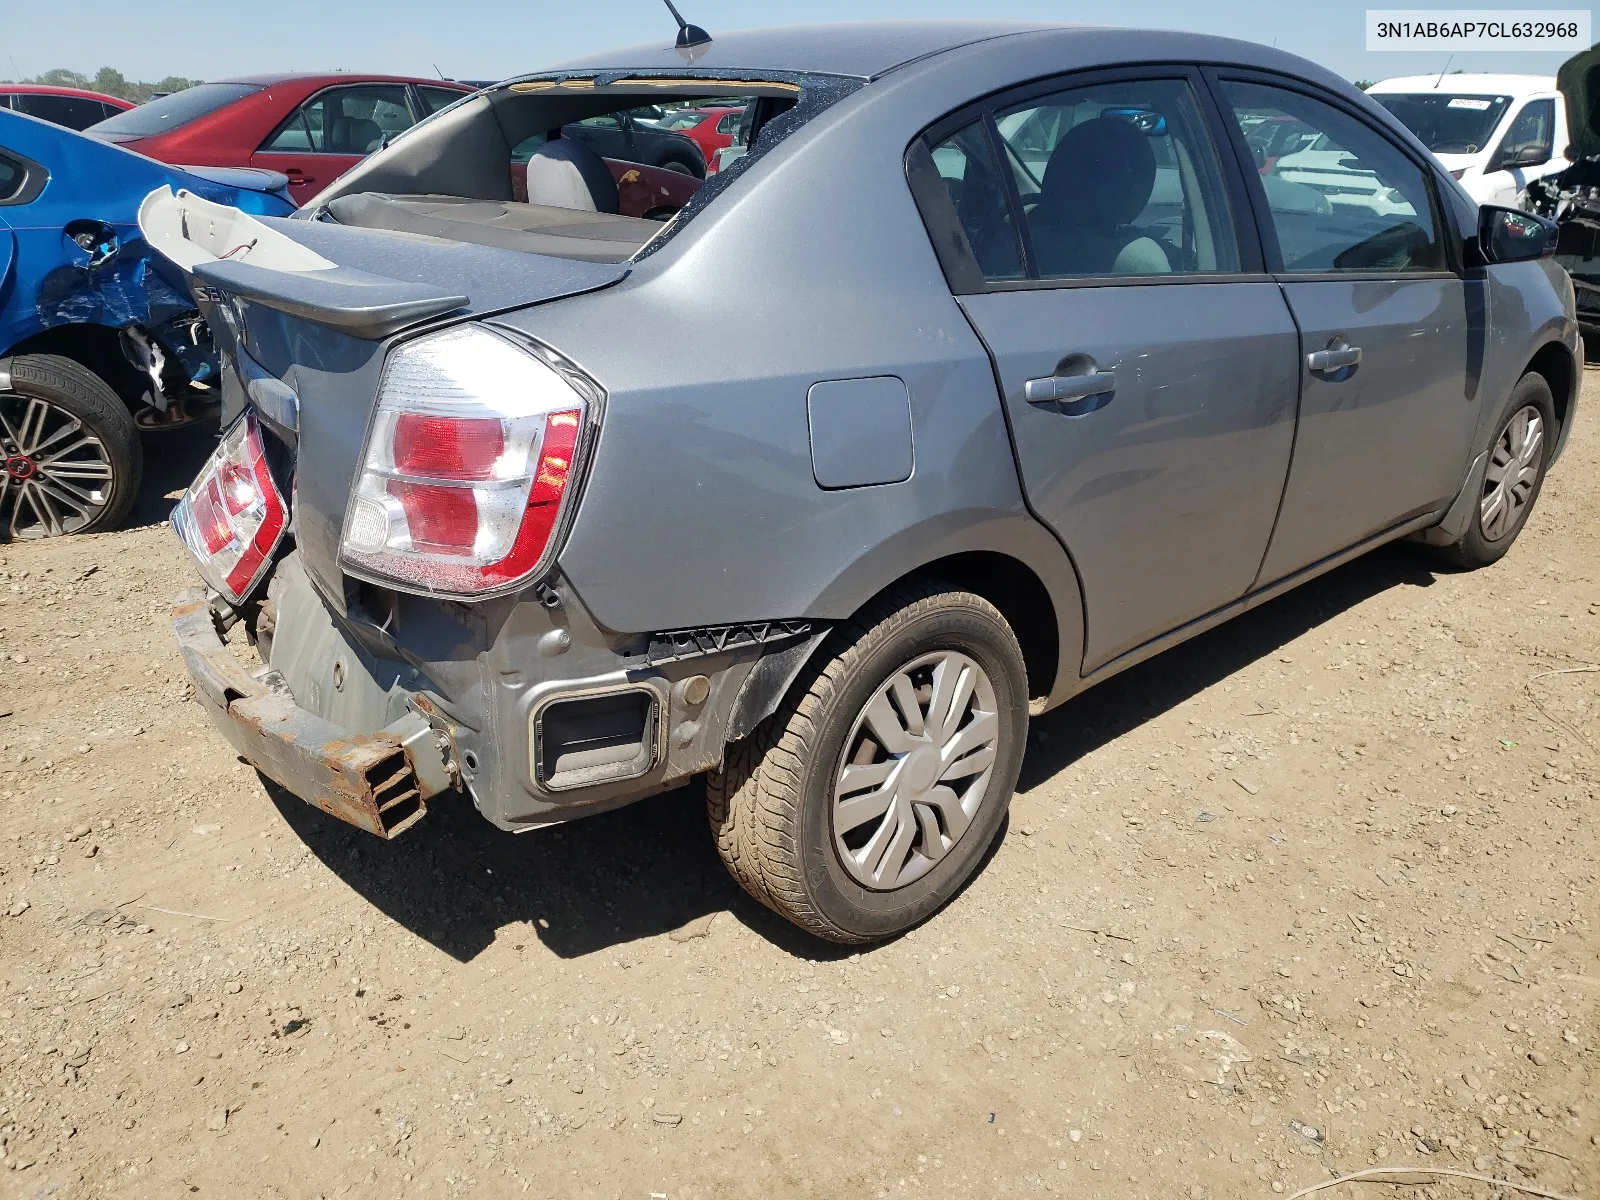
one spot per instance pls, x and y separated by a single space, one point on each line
176 110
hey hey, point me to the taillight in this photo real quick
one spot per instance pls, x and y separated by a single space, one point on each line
1458 173
467 466
233 516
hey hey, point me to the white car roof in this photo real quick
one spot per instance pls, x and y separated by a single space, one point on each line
1470 85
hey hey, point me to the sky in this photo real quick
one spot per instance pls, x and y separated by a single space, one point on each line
492 39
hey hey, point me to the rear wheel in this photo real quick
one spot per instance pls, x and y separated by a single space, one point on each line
72 455
1519 451
680 166
871 796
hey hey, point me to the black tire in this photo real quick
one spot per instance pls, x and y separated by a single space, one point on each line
682 167
771 804
1475 547
75 394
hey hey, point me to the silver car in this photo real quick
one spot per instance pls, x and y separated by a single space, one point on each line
993 368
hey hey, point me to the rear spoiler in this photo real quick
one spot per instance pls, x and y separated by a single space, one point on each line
238 255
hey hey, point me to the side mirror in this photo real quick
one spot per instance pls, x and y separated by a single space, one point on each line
1535 155
1507 235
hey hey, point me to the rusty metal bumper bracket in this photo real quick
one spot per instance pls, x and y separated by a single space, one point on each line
379 782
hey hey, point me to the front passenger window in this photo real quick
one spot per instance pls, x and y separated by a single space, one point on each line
1351 200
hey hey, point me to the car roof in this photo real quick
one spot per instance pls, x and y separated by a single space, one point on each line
862 49
1514 85
47 89
331 77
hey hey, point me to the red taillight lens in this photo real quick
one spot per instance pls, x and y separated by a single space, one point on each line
446 447
233 516
468 466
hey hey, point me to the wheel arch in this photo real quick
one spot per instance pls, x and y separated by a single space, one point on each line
96 348
1554 361
1037 594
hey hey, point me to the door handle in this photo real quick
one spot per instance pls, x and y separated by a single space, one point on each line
1053 389
1334 359
296 175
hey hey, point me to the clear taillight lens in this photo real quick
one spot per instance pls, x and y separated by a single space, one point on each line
467 466
233 516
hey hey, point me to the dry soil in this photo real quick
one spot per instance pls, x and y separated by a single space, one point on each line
1311 894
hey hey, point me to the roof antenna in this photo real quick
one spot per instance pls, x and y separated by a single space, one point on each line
1440 80
689 36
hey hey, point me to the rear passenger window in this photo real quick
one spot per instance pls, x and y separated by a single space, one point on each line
977 191
1348 199
1118 179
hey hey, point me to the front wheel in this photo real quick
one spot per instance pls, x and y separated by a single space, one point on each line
72 453
871 796
1521 440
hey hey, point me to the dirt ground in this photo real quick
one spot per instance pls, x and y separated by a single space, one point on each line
1313 893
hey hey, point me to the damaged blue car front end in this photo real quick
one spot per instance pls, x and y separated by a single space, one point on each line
71 254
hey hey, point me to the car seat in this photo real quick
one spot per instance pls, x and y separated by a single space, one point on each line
1099 179
354 135
566 174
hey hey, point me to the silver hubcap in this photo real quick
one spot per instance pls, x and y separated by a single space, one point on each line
915 770
57 476
1513 470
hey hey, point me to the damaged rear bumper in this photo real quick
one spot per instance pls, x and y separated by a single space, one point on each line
379 782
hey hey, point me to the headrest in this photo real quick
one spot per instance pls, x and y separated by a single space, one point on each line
1100 174
566 174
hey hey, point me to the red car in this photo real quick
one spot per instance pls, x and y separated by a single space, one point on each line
711 128
313 128
73 107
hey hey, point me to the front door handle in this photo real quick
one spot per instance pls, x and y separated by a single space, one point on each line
1054 389
1334 359
296 175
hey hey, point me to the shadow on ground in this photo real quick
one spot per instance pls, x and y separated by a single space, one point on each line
171 461
650 868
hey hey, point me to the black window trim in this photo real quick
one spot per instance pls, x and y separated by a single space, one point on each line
1217 74
967 278
34 177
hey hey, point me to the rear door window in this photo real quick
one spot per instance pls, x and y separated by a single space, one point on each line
74 112
347 120
1116 179
1119 179
1351 200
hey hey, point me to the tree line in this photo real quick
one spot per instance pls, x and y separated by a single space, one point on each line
111 82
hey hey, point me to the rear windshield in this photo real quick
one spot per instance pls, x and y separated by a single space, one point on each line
1447 122
177 110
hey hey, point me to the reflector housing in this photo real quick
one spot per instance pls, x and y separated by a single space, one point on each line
468 466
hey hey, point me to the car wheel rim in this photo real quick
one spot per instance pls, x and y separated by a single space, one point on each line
1512 473
915 770
57 476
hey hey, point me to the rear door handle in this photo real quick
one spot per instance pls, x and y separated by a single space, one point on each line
1053 389
296 175
1334 360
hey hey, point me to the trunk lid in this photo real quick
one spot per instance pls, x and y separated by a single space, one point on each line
302 314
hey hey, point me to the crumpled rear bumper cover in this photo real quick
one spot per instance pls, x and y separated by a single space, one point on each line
366 779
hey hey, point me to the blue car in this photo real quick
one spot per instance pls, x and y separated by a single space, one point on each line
94 326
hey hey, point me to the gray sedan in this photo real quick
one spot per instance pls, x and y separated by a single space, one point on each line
997 365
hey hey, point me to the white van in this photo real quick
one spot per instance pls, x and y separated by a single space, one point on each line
1495 133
